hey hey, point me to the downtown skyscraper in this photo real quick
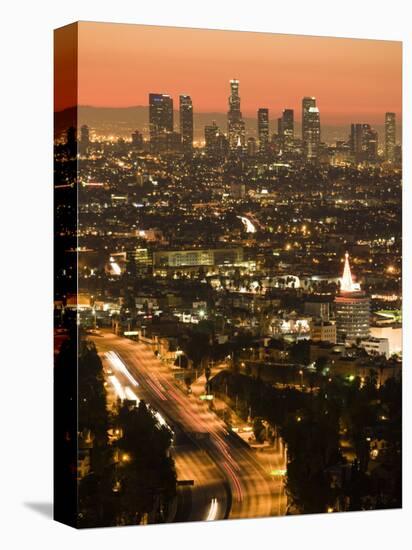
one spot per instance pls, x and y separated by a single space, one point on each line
160 118
84 139
263 129
310 128
363 143
390 136
186 121
235 122
286 129
215 141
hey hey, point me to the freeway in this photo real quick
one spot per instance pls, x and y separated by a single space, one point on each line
250 228
229 480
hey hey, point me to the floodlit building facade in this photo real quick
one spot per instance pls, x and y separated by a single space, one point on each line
352 309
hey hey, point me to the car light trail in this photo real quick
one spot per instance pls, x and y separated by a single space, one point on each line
160 419
128 393
234 478
224 449
131 395
120 366
250 228
115 267
156 389
212 510
117 386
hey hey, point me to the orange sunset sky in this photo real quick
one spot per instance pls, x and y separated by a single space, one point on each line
353 80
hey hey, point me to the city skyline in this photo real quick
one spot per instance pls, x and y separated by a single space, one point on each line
363 139
366 73
228 310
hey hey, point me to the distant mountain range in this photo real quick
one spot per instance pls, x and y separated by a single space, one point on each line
122 121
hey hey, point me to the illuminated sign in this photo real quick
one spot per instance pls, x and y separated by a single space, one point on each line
206 397
279 472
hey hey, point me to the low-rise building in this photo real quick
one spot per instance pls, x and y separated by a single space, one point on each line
376 346
323 331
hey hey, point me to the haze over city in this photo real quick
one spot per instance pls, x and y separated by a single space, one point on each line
352 79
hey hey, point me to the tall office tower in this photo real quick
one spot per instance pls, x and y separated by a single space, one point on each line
307 103
342 153
310 128
186 121
390 136
137 139
363 143
286 129
160 119
263 129
85 134
211 133
371 145
235 123
352 308
355 141
84 139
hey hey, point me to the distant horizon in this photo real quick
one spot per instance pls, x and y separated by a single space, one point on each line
122 121
377 118
119 65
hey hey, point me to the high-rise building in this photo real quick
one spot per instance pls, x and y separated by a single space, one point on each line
211 134
341 153
160 118
235 122
286 129
390 136
363 143
186 121
352 308
371 145
84 140
310 128
215 141
263 129
356 141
